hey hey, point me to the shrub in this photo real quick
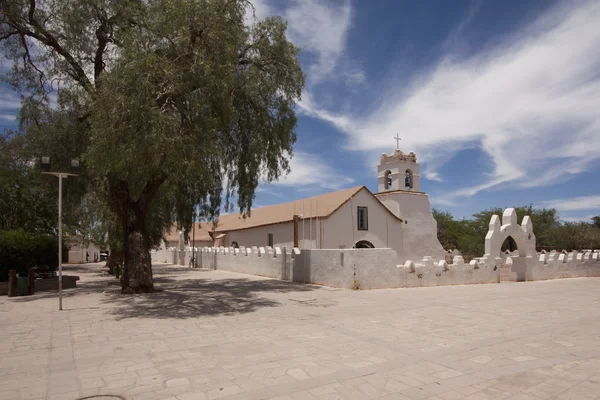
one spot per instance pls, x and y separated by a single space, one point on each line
20 250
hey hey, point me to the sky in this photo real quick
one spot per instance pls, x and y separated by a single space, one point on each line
500 101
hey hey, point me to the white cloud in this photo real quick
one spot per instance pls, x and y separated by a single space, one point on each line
9 117
531 103
10 104
9 101
258 9
575 203
308 170
321 29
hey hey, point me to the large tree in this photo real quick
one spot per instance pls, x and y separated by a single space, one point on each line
172 104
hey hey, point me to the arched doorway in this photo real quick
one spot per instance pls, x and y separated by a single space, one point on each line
509 246
235 245
511 236
364 244
508 254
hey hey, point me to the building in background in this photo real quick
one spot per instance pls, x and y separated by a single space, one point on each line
398 216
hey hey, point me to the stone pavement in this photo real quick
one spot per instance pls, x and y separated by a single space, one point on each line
213 334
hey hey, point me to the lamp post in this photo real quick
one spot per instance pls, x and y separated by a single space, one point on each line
45 164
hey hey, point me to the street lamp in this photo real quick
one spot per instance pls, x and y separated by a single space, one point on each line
45 165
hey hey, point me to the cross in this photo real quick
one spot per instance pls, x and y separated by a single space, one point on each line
397 141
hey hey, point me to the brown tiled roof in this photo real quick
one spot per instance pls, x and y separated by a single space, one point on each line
326 203
202 234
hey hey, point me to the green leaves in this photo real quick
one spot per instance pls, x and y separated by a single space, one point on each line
173 105
467 235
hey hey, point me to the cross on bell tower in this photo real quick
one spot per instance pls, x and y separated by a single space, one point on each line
398 139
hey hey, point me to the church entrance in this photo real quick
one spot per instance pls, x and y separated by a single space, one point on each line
364 244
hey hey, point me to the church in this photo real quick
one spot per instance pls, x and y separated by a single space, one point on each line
398 216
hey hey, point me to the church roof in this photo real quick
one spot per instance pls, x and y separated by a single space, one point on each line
322 206
202 233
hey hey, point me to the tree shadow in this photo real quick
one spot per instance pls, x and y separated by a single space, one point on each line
181 293
192 298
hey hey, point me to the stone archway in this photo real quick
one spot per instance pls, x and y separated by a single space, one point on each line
522 235
364 244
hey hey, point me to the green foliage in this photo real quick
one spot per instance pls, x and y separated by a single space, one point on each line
155 95
20 250
25 202
468 235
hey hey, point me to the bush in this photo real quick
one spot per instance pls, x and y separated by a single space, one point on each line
20 250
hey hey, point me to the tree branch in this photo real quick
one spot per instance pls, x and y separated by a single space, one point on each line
149 191
27 59
44 36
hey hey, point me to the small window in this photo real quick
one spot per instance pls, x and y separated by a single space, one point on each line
363 218
235 245
271 239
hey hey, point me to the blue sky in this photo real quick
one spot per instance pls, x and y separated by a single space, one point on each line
499 100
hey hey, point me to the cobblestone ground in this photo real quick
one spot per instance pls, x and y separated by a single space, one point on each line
212 334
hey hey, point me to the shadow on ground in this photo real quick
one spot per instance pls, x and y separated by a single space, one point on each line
94 278
181 293
191 298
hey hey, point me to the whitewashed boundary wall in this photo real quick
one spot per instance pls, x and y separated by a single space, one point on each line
378 269
562 265
262 261
161 256
382 268
169 256
526 264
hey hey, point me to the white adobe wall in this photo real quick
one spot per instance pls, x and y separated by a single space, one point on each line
263 261
560 265
283 235
340 229
378 269
420 228
77 254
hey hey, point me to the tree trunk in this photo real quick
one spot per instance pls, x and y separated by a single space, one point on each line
115 257
137 274
137 271
137 268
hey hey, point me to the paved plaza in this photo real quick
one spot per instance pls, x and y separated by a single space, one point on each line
212 334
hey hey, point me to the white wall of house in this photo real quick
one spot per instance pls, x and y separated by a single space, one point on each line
283 236
77 254
419 229
341 230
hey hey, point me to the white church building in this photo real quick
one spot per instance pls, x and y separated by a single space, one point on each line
398 216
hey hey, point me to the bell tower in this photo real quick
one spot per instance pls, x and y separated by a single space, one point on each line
399 190
398 171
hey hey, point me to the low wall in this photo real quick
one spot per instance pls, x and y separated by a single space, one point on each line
378 269
264 261
46 284
382 268
561 265
164 256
